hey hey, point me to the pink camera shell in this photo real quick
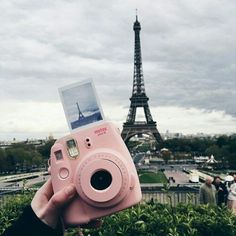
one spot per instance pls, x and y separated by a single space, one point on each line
100 149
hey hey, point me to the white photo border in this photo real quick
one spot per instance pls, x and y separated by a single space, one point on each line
77 84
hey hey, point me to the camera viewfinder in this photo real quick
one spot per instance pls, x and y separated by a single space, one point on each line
58 155
72 148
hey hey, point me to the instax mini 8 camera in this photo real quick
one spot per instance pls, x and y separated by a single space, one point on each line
98 162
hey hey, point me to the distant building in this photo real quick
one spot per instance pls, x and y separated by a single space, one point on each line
168 135
201 159
34 142
50 137
211 160
146 161
5 144
156 160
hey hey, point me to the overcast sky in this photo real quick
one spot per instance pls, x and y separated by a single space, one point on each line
188 51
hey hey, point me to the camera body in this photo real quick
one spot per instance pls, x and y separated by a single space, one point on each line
98 162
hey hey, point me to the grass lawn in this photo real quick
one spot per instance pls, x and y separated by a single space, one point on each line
152 177
38 185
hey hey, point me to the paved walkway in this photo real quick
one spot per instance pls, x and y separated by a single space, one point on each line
178 176
38 177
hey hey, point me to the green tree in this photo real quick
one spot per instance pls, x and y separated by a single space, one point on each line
3 160
214 150
166 155
222 140
19 159
45 149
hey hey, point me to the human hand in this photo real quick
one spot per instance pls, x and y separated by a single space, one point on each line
47 206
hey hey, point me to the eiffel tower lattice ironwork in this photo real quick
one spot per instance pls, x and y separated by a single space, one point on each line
139 98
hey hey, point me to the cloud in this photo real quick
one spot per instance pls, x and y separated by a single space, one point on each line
188 51
37 120
31 117
181 119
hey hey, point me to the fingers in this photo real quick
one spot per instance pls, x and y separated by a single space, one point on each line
47 189
49 170
42 197
47 206
61 198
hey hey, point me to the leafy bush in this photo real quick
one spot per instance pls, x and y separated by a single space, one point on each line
163 220
145 220
11 207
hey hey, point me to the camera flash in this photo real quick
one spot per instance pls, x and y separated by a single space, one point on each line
72 148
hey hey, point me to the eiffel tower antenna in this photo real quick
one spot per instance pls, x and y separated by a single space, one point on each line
139 98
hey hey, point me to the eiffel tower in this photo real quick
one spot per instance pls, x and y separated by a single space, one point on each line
81 116
139 98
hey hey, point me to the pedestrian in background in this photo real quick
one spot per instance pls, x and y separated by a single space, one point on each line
234 176
229 179
222 192
232 195
207 192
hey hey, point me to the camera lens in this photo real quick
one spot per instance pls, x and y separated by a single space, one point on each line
101 180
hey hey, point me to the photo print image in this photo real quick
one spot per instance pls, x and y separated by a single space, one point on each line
80 104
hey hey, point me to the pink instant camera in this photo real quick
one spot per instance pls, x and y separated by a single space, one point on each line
98 162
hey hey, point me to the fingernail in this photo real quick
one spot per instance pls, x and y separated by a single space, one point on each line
70 190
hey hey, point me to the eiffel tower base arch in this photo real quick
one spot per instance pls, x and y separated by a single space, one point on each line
137 128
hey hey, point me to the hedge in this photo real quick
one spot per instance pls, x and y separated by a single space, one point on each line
145 220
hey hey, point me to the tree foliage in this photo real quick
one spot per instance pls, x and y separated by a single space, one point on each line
45 149
223 148
24 157
11 207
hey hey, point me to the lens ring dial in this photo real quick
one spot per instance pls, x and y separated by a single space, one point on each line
107 161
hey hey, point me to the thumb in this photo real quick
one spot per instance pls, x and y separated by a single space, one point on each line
61 198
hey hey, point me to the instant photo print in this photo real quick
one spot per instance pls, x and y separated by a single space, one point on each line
81 104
